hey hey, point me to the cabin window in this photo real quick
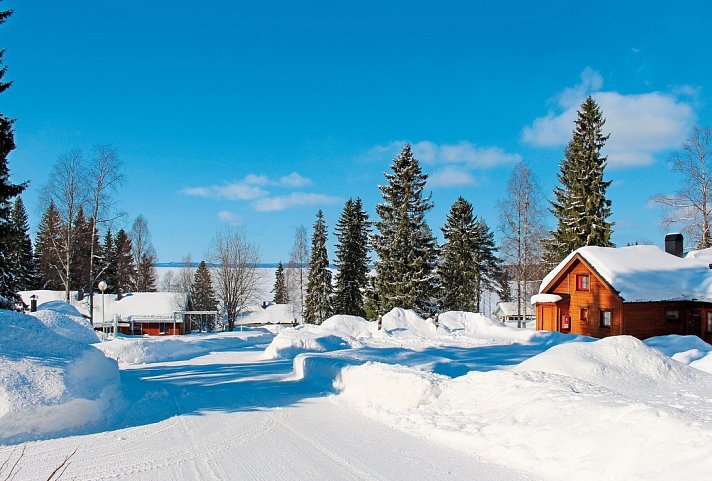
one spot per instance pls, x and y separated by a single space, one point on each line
584 315
163 328
672 315
606 318
582 282
709 322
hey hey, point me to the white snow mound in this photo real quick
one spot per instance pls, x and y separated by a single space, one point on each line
49 383
621 363
65 320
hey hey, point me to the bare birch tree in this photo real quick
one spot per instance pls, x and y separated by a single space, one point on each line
297 270
235 273
66 189
522 227
690 208
102 177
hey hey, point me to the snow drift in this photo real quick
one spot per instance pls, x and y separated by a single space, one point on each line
583 411
65 320
49 382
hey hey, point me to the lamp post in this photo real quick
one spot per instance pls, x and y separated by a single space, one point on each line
102 287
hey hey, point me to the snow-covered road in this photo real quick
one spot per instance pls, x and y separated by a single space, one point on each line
232 415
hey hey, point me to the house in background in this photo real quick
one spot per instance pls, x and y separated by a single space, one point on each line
152 313
641 291
507 312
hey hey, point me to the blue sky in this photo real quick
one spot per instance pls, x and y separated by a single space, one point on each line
259 113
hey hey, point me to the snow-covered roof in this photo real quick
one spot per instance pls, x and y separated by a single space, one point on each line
646 273
510 308
272 314
544 298
162 304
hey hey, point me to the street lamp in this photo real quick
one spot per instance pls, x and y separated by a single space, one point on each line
102 287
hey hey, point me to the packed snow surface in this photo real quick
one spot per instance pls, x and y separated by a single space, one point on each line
461 398
51 379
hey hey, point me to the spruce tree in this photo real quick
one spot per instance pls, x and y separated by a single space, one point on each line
146 274
202 294
319 288
46 253
280 286
107 264
9 278
404 243
124 265
21 255
352 232
459 268
82 251
581 207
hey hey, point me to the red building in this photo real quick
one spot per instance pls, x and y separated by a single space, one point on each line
641 291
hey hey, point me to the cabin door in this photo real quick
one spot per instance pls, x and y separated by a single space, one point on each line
694 322
564 318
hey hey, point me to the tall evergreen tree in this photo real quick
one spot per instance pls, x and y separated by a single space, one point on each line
459 267
404 243
352 232
146 274
202 294
46 254
124 265
581 207
9 279
21 255
81 246
107 264
280 286
319 288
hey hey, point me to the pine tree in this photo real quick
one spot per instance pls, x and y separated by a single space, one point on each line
107 264
146 274
319 288
459 269
9 279
46 253
280 286
581 207
404 243
202 294
81 246
21 255
124 265
352 232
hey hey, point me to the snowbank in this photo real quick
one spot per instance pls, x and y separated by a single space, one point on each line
292 341
142 350
65 320
685 349
582 411
50 383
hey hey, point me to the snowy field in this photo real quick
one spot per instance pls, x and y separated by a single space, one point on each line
468 399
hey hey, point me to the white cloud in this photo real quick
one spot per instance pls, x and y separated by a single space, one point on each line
464 153
229 217
452 177
295 199
641 125
232 191
252 179
294 180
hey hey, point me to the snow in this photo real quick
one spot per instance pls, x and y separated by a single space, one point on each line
544 298
49 382
646 273
467 399
272 314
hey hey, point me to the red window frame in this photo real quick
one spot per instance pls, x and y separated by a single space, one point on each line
583 315
583 282
603 319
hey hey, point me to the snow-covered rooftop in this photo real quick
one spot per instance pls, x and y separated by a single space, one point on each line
510 308
647 273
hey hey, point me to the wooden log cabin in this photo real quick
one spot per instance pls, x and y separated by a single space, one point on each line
640 291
